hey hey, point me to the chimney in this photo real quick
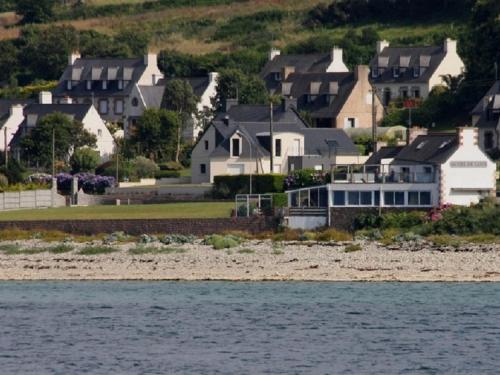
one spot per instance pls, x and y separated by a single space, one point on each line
273 53
45 97
287 70
73 57
151 59
450 45
66 100
17 110
337 54
468 136
381 44
288 102
225 120
361 72
414 132
230 103
212 76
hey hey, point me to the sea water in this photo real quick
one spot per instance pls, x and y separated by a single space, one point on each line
249 328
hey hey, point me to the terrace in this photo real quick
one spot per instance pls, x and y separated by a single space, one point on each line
383 174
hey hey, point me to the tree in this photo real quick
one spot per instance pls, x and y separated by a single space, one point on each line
248 89
154 134
68 135
35 11
84 160
8 60
179 97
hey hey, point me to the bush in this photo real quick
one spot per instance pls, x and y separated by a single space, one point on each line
144 168
331 234
84 160
167 174
170 166
304 178
90 183
4 181
219 242
226 187
280 200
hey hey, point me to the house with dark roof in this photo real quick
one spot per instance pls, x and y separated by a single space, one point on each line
23 118
279 65
486 117
432 170
412 72
334 100
239 141
107 83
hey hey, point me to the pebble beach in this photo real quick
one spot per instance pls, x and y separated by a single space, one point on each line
259 260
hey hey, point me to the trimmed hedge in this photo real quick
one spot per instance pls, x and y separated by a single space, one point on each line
167 174
226 187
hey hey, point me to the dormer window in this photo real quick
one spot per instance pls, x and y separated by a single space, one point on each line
277 76
235 147
89 85
311 98
104 85
421 145
69 85
416 72
120 85
395 71
374 72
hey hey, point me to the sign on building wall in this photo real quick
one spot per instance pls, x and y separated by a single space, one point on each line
468 164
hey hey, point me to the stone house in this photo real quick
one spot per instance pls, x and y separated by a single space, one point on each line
334 100
412 72
238 141
273 71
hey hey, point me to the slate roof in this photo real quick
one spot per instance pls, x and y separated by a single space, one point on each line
428 149
152 95
310 63
252 120
322 107
409 58
387 152
6 104
489 113
111 70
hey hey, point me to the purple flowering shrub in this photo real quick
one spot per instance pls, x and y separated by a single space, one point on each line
306 177
90 183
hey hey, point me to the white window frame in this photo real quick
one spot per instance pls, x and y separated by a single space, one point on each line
106 107
118 103
240 144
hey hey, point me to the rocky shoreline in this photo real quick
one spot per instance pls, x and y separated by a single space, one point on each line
258 260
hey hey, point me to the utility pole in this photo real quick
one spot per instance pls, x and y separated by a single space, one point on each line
5 147
117 165
271 136
374 121
53 152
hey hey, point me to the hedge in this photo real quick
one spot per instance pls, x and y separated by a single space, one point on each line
167 174
226 187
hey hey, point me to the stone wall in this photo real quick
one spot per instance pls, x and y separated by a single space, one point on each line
197 227
343 217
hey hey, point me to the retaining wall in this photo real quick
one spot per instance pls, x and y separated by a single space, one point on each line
15 200
343 217
198 227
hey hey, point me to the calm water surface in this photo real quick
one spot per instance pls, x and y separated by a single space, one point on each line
249 328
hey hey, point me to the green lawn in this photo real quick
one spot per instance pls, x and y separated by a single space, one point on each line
155 211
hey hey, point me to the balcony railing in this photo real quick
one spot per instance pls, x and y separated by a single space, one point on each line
380 174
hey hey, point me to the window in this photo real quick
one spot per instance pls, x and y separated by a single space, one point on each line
387 96
339 198
206 145
353 198
395 71
425 198
99 132
277 147
277 76
69 85
419 198
404 92
104 85
394 198
416 72
118 106
488 140
351 122
413 198
235 143
376 198
318 167
203 168
89 85
366 198
135 102
374 72
120 85
103 106
416 92
427 170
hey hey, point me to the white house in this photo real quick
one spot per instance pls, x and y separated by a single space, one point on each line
22 119
433 170
238 141
108 84
412 72
486 117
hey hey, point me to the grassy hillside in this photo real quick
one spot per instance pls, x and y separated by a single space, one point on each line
202 29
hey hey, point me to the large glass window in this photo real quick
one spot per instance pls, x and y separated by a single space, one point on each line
376 198
339 198
314 198
366 198
277 147
236 147
413 198
425 198
399 198
323 197
394 198
353 197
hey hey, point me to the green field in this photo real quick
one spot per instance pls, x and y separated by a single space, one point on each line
155 211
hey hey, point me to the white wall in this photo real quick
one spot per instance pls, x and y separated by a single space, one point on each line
306 222
12 125
92 122
477 180
451 64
